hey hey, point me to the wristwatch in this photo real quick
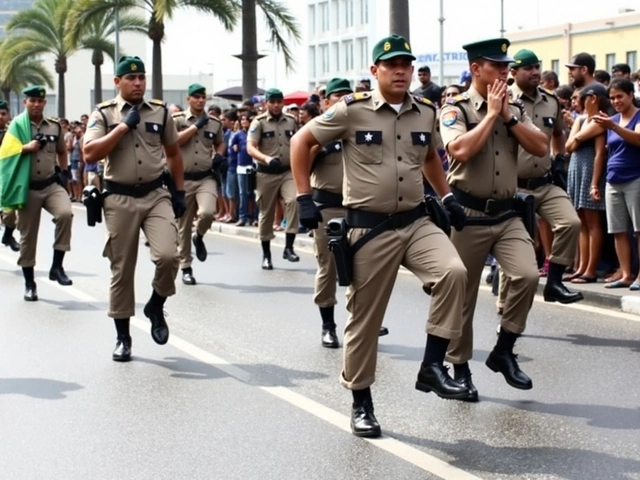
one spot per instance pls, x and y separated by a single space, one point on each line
511 122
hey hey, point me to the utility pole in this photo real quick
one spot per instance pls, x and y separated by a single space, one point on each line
502 18
399 18
441 52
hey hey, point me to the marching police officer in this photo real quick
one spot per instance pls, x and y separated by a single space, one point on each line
386 138
268 144
198 134
326 182
130 132
9 219
535 176
481 131
49 175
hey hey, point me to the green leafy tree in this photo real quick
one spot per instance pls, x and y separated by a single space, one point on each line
16 76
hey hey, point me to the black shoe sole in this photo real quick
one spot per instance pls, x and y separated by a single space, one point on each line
465 396
151 331
551 299
292 260
495 369
383 331
375 433
34 299
64 284
185 282
121 359
330 345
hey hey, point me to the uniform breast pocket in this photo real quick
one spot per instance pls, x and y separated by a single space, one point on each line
208 138
268 140
287 136
52 141
369 144
152 133
334 153
419 147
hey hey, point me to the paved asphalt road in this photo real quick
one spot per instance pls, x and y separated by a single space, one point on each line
244 390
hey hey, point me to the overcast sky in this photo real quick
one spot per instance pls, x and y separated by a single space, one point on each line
187 51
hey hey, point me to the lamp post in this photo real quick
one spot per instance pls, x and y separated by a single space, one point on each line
441 53
116 23
502 18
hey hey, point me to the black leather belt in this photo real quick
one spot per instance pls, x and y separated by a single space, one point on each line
489 206
137 191
262 168
326 199
394 221
534 183
194 176
42 184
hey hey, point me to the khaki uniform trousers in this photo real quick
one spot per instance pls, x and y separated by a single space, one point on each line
269 188
512 247
554 206
201 198
55 200
424 250
10 219
124 216
325 289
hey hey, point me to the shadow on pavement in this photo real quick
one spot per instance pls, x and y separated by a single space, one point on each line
589 341
601 416
263 375
404 352
253 289
75 305
42 388
525 462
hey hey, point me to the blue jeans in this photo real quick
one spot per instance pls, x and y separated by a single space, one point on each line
245 196
232 185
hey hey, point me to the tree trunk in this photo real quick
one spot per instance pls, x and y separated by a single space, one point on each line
156 34
97 84
61 96
250 54
18 103
6 94
399 18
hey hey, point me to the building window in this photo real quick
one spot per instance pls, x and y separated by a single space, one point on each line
335 52
348 13
347 48
611 61
324 16
632 60
312 19
312 62
364 12
555 66
363 47
335 15
324 58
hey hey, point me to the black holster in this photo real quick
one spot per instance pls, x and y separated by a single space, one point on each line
168 182
526 207
558 173
92 200
251 179
438 214
337 231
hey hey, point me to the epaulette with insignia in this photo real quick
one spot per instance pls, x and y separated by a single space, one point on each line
53 119
211 117
424 101
178 114
356 97
458 98
105 104
160 103
261 116
551 93
517 102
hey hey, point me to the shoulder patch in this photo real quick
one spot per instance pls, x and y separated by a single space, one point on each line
551 93
53 119
261 116
160 103
463 97
178 114
517 103
105 104
356 97
424 101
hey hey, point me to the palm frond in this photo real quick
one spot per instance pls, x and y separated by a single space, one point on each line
225 11
279 21
100 44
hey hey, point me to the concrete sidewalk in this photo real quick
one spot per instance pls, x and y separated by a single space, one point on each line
621 299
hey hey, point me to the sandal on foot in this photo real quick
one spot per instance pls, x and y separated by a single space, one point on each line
582 279
618 284
634 287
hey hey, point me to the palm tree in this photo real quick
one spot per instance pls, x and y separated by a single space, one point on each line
159 12
399 18
95 35
43 29
16 76
278 19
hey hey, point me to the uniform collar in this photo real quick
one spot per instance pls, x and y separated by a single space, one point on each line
518 93
121 103
378 101
189 114
270 117
475 98
43 121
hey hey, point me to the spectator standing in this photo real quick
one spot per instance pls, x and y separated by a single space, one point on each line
427 88
246 214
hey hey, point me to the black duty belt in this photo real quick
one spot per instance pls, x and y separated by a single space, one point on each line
489 206
534 183
326 199
194 176
137 191
380 223
42 184
262 168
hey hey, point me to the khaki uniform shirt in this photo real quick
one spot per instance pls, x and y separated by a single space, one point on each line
327 174
44 161
138 156
546 114
273 136
493 171
197 152
383 150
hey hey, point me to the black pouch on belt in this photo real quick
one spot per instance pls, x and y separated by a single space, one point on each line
438 214
526 206
251 179
337 230
558 173
92 200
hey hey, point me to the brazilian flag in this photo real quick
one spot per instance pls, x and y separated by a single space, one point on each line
15 166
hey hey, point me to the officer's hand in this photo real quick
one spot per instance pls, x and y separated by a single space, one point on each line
309 212
274 162
31 147
179 203
217 161
202 121
495 97
132 118
457 217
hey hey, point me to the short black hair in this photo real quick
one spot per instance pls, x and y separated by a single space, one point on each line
311 108
564 92
231 114
602 76
424 69
215 109
622 68
550 75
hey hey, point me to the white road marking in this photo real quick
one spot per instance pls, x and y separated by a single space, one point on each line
401 450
